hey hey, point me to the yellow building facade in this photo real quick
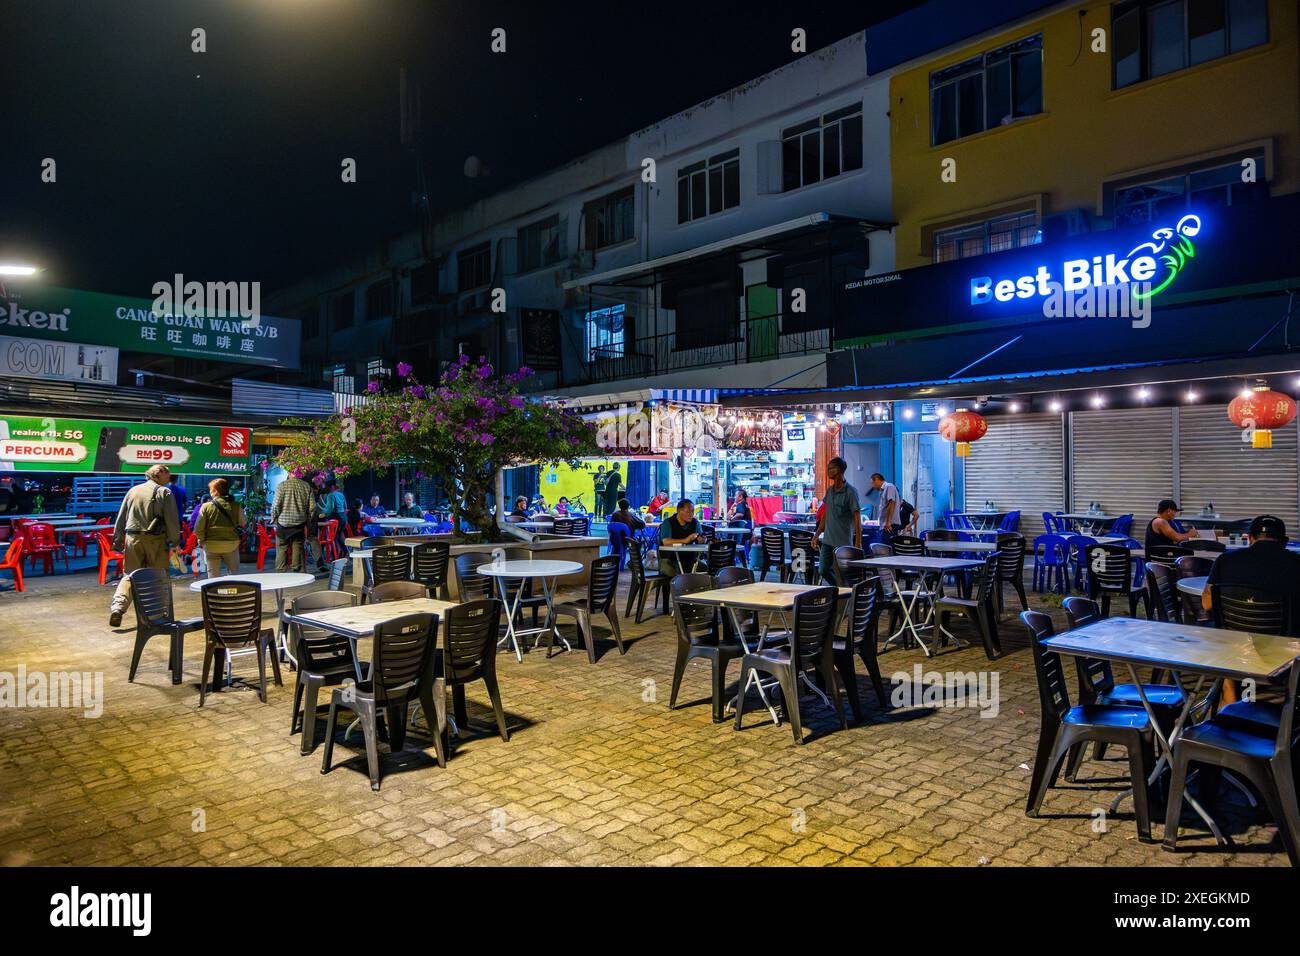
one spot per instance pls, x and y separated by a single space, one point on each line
1090 138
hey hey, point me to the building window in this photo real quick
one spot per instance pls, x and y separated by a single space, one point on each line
541 244
605 333
473 267
379 300
375 369
1155 37
1166 198
992 235
610 219
709 186
822 148
341 311
990 90
341 382
310 322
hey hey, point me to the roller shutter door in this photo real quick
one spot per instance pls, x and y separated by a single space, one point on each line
1123 459
1019 466
1217 466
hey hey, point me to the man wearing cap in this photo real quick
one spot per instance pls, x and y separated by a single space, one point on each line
1160 529
148 523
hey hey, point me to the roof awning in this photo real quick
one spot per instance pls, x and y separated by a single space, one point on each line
769 240
638 396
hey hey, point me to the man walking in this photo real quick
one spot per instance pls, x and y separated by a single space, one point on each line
888 508
148 523
290 513
840 523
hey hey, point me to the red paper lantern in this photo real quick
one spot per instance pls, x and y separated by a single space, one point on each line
1259 412
963 427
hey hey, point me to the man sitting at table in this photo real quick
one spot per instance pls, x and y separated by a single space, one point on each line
657 502
374 509
679 528
409 508
624 516
1160 529
520 512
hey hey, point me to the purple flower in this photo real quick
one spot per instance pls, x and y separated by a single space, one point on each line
403 369
525 371
364 449
405 426
340 471
487 439
463 360
417 391
265 464
372 387
484 372
516 402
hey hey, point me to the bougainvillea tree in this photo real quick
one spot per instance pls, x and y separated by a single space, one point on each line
462 432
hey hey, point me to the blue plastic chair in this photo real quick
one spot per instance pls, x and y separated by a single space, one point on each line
1122 526
1051 564
1010 521
1050 523
619 536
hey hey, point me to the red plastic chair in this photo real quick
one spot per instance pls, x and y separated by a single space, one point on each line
13 561
80 540
191 542
44 544
327 538
265 543
107 555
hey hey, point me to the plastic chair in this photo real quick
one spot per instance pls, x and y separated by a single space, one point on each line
324 659
13 561
44 544
1122 526
430 563
699 636
642 582
1011 567
863 616
472 585
619 536
232 621
1075 546
107 556
191 544
388 563
338 568
396 591
1010 521
327 537
1108 575
1050 564
1064 728
721 554
151 596
773 544
601 586
580 526
265 543
469 653
803 553
977 609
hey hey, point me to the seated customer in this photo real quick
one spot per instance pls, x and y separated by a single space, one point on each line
374 509
409 508
1160 529
679 528
355 513
657 502
562 507
520 512
625 516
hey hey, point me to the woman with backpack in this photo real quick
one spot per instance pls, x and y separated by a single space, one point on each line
220 528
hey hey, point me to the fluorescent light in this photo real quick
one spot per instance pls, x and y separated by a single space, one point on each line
13 269
1191 395
1144 393
1097 401
1055 406
1015 407
907 413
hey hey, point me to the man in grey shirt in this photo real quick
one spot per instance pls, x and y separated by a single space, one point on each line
889 509
148 524
841 522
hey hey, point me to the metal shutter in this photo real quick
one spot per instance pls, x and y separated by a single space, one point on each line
1217 466
1019 466
1123 459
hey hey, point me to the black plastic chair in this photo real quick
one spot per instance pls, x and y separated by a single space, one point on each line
1011 567
1109 574
397 591
1249 609
430 563
472 585
721 554
388 563
1193 566
1264 759
642 583
325 659
942 534
847 573
602 584
772 541
470 653
151 596
1097 684
376 541
338 568
730 578
232 622
908 546
803 555
1162 594
402 671
1064 727
978 609
699 636
562 526
811 647
862 617
579 527
1166 553
1210 545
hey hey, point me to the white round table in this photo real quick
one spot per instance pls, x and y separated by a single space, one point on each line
1194 586
275 581
677 550
399 524
545 571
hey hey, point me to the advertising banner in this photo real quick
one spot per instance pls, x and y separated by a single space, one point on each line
62 361
129 448
70 315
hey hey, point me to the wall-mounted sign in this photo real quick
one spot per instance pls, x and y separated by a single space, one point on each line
70 315
540 338
76 445
64 361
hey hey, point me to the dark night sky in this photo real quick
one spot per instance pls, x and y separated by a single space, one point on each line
225 165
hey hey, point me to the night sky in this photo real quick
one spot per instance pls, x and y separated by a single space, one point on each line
225 165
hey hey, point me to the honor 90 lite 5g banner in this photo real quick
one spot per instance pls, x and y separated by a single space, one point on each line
81 447
70 315
1190 255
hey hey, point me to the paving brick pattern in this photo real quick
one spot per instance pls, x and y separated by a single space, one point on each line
598 770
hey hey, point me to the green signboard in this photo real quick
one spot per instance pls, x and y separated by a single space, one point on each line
126 448
70 315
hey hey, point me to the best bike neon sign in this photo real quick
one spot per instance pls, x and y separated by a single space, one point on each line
1153 264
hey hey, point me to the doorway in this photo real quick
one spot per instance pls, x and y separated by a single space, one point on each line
927 476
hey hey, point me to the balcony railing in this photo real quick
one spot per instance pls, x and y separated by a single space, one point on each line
756 340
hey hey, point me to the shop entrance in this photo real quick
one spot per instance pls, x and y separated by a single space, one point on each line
927 476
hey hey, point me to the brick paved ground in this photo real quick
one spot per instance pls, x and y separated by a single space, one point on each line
594 773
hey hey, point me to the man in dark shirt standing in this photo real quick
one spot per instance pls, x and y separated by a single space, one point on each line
613 489
1266 566
598 492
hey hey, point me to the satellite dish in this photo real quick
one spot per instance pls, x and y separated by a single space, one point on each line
475 167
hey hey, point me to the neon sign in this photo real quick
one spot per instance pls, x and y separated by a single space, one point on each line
1153 264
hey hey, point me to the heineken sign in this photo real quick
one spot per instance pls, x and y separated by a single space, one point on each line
127 448
70 315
